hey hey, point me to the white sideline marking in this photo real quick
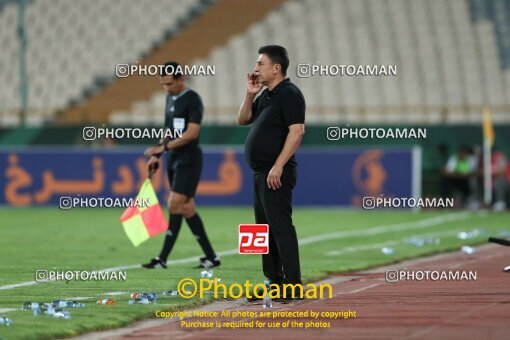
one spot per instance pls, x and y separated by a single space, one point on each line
420 224
113 293
5 310
360 247
388 243
359 289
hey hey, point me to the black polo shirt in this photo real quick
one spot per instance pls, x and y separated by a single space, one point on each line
182 109
272 114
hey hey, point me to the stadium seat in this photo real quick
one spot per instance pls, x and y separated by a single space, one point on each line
69 44
449 54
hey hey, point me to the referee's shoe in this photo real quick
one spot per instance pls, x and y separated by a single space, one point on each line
207 263
155 263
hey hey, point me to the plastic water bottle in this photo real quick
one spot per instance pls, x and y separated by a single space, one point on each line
462 235
59 303
50 310
59 313
108 301
68 304
31 305
5 321
206 274
416 241
387 250
171 293
504 233
135 296
150 296
468 250
432 240
267 302
420 242
143 298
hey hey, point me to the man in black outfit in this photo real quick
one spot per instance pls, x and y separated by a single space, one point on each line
184 111
277 117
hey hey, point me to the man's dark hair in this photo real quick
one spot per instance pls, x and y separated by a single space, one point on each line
277 54
171 68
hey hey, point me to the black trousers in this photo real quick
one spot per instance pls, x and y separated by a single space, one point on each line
274 207
449 184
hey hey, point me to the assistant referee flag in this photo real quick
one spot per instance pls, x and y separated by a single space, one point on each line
142 223
488 128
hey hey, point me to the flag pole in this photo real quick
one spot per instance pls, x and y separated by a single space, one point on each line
487 178
488 141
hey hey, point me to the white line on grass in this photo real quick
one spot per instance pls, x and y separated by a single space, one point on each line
384 244
359 289
360 247
5 310
420 224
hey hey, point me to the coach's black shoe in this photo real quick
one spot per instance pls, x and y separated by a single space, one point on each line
253 298
261 292
209 263
155 263
287 297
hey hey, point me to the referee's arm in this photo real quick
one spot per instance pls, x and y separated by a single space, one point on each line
189 135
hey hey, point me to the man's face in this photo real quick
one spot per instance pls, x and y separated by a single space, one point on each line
171 85
266 70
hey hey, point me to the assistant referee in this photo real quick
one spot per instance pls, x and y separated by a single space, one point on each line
277 117
184 111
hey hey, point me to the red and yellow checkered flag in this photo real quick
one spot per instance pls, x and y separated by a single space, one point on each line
142 223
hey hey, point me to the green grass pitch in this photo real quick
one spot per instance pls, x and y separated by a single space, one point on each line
90 239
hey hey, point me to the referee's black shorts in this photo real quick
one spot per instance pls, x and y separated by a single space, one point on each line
184 170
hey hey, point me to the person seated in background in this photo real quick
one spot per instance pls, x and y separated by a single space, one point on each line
457 174
500 171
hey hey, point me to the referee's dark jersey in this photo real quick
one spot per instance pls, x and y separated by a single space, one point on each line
185 162
272 113
182 109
